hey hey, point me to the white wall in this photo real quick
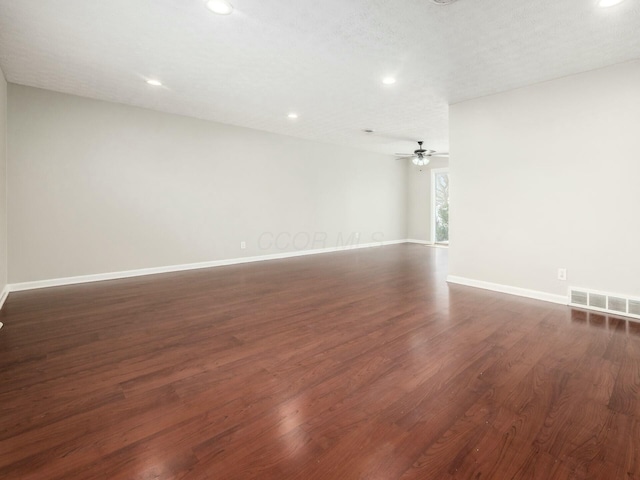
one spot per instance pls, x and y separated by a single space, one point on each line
419 199
3 182
96 187
548 176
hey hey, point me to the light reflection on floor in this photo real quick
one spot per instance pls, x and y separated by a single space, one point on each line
606 322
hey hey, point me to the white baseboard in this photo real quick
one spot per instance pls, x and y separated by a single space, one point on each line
520 292
57 282
4 295
419 242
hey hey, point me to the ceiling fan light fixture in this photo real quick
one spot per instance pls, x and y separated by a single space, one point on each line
422 156
219 7
420 161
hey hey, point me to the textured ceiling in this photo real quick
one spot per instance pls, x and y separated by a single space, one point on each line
321 59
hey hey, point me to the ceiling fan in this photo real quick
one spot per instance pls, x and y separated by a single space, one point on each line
421 157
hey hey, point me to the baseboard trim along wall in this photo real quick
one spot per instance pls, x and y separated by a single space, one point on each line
4 295
57 282
520 292
419 242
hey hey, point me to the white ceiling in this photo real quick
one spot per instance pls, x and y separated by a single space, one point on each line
322 59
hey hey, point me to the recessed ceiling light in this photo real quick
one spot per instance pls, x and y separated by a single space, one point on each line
221 7
293 116
155 83
368 130
388 80
609 3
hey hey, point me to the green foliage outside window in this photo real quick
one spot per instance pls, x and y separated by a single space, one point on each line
442 207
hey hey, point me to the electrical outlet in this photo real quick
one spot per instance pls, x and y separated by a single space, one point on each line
243 245
562 274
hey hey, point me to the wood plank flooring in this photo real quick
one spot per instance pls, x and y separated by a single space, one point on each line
354 365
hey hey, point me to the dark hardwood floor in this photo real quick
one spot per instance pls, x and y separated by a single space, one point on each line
358 364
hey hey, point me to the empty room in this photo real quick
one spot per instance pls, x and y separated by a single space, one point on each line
333 240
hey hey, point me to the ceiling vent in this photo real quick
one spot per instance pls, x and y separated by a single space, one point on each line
605 302
443 2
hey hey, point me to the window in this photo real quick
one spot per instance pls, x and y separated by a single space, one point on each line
440 205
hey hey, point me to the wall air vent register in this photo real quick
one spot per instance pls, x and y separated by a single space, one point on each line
604 302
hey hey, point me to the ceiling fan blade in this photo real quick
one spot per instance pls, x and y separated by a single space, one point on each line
403 155
440 154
